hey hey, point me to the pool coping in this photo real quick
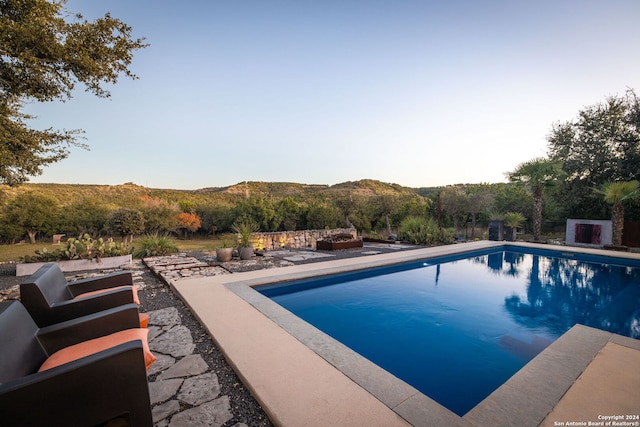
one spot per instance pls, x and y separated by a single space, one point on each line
525 399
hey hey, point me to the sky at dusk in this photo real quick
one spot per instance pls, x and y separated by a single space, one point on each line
419 93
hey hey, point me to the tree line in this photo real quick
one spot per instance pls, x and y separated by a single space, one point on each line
32 213
465 209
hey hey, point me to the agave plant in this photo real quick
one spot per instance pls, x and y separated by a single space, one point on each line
245 227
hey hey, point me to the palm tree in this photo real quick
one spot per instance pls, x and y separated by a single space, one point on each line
616 193
537 174
513 221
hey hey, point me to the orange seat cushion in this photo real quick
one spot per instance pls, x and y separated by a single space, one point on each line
96 345
144 319
133 288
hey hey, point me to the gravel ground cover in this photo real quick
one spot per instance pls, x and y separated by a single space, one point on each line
8 275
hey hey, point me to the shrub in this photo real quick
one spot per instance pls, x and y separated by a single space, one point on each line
423 231
126 223
376 234
155 245
189 221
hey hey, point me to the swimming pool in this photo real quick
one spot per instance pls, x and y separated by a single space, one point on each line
458 327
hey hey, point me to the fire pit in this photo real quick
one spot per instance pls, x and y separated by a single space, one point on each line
338 241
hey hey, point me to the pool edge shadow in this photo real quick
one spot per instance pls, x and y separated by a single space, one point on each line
532 392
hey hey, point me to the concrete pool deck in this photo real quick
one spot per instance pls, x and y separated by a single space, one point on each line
301 376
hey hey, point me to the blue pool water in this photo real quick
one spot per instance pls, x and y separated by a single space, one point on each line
456 328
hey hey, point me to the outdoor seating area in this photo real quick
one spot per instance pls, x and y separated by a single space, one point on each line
74 353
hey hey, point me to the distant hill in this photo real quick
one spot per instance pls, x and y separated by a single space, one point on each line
131 193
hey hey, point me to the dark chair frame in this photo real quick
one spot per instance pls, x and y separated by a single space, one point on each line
85 392
49 298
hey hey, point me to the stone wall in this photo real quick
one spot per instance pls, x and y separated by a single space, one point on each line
296 239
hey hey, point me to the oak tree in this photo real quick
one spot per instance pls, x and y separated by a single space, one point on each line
45 52
188 221
88 215
602 144
126 223
455 203
33 213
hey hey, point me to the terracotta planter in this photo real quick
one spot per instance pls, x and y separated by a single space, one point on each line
224 254
246 253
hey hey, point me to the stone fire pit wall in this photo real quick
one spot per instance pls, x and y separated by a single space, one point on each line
296 239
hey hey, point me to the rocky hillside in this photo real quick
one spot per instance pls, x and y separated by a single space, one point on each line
121 194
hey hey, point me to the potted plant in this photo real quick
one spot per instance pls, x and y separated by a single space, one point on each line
245 228
224 253
512 221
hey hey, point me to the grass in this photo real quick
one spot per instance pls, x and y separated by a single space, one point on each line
15 252
19 250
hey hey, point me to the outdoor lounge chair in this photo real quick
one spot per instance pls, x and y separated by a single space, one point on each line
88 388
49 298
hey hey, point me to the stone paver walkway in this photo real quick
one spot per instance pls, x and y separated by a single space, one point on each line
180 266
183 390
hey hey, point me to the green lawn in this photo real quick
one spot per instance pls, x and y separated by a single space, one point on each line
15 252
